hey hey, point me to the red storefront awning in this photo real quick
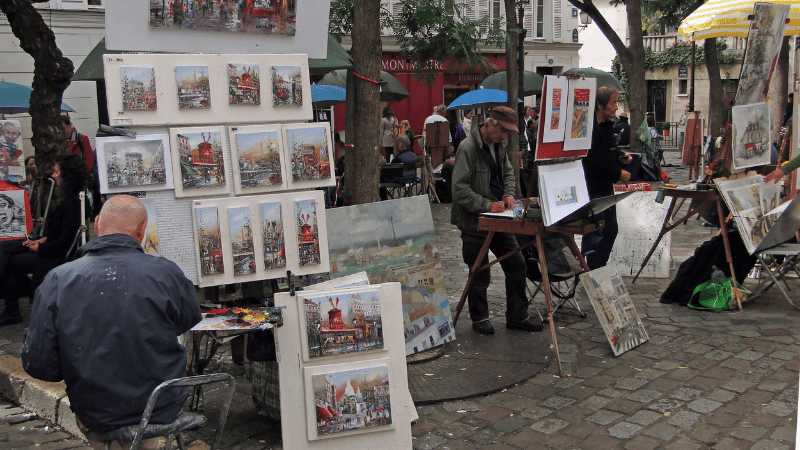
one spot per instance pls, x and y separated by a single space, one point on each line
322 412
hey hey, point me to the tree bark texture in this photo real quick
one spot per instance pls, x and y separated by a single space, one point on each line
715 106
361 163
52 73
512 83
778 90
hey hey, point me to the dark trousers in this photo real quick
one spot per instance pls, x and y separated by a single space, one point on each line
602 240
389 153
16 262
513 267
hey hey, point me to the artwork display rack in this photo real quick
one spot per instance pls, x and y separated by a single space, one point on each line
707 197
536 229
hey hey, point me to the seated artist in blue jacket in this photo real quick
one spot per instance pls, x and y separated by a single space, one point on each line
107 324
483 181
405 155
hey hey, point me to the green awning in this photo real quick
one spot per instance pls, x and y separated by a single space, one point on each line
337 59
186 167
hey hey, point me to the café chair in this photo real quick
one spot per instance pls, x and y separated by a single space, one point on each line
186 421
390 181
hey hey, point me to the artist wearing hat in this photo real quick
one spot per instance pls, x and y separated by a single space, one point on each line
623 130
483 181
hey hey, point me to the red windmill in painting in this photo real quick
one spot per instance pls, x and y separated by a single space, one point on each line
335 321
306 231
205 152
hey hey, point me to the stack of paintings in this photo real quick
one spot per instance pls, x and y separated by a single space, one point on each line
750 199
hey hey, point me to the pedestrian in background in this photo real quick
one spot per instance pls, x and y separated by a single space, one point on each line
388 132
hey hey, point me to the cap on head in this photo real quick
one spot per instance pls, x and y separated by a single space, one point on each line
505 116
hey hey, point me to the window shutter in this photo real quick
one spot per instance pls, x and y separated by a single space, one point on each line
557 20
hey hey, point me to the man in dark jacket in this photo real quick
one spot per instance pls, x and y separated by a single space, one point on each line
483 181
603 167
107 324
623 130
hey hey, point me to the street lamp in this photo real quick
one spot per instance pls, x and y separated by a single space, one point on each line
585 19
523 140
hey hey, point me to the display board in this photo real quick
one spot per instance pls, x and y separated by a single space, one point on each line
558 108
640 219
190 89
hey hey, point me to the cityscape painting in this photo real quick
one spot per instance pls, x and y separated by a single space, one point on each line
138 88
351 400
201 157
272 235
193 88
209 241
244 84
241 229
309 153
287 86
307 232
344 323
395 241
135 163
268 17
150 241
258 159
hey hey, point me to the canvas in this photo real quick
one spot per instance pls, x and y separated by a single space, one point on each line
751 128
305 215
309 153
12 164
194 91
340 324
244 84
287 86
258 159
272 235
580 114
241 236
612 304
150 241
13 212
395 241
140 164
764 41
138 88
276 17
200 157
209 240
640 218
555 101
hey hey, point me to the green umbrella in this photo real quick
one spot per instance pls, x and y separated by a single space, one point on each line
533 82
391 89
603 78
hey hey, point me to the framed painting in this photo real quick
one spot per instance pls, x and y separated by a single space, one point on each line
199 161
140 164
194 89
258 159
307 228
580 114
241 236
272 240
309 155
244 84
555 100
287 85
252 18
341 323
12 164
208 241
138 86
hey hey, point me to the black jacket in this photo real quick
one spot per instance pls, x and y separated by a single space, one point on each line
107 324
601 165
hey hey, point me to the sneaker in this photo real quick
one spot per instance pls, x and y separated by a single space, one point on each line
10 320
525 325
483 327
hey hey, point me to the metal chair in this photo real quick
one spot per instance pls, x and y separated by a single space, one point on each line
776 272
186 421
390 177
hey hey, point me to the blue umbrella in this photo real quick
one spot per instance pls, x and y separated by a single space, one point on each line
324 96
480 98
16 98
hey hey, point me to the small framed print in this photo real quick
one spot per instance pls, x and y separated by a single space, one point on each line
199 161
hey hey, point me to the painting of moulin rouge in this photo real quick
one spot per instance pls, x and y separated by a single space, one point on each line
307 232
201 159
252 16
244 84
395 241
352 400
345 323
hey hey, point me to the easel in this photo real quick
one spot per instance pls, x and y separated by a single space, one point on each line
692 144
708 197
437 142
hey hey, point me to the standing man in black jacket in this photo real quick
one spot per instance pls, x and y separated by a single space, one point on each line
603 167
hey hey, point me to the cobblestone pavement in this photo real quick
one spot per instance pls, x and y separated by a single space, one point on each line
703 380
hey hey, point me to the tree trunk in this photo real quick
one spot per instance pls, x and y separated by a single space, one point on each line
52 73
633 60
361 163
779 89
715 94
512 85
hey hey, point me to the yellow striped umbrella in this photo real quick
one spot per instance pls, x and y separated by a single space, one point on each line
717 18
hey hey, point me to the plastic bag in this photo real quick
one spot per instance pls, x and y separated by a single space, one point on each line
644 134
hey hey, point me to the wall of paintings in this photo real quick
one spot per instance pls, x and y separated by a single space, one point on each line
159 89
343 376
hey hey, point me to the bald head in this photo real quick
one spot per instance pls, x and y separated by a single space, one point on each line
122 214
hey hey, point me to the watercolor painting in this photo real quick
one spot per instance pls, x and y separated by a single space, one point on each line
135 163
580 114
345 323
258 157
309 153
350 400
305 213
209 241
138 88
201 159
555 118
269 17
395 241
272 235
193 88
241 232
11 160
751 129
554 103
150 241
287 86
566 195
244 84
12 214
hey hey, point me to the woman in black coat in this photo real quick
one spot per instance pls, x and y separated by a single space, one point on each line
18 258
